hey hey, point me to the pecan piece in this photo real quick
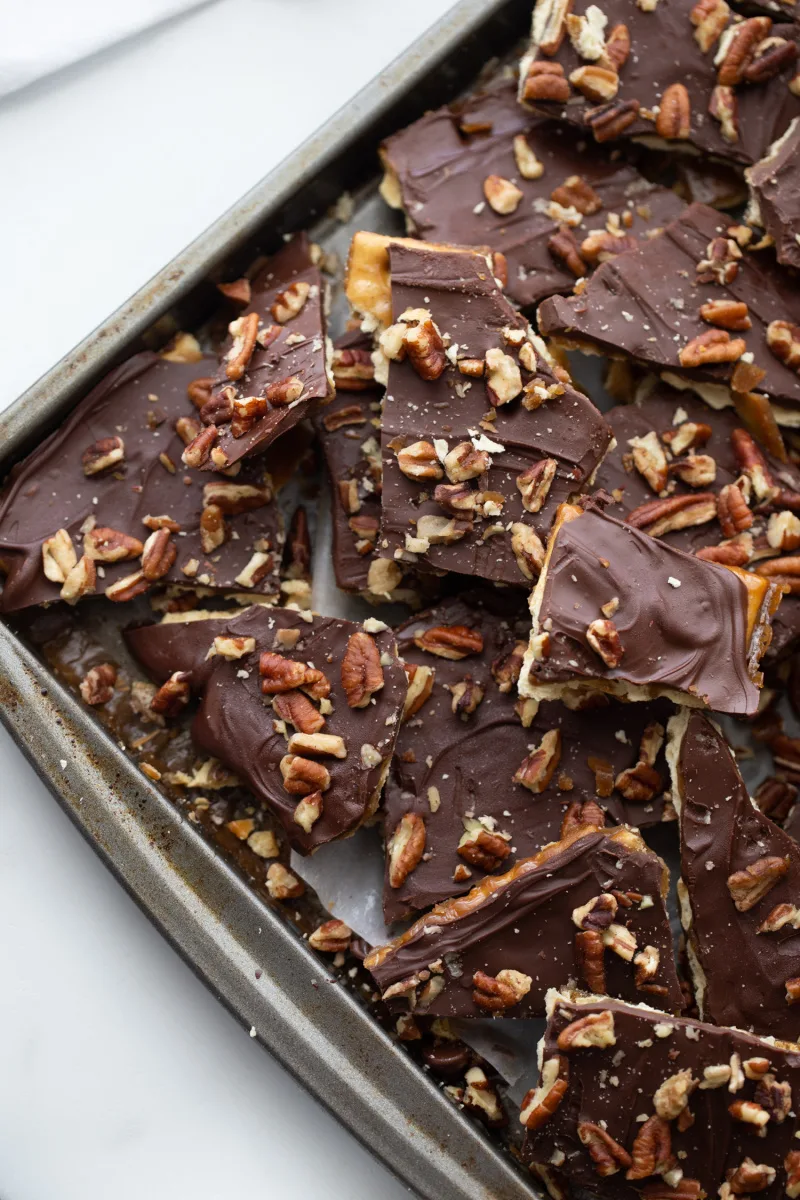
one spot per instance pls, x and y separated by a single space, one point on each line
362 673
713 346
617 48
685 1189
650 460
672 1096
774 1097
105 453
753 464
303 776
576 193
199 449
503 378
212 528
608 1156
749 1113
58 556
549 24
128 588
534 483
783 339
506 667
600 245
199 390
172 696
450 641
770 58
592 1030
97 685
501 992
528 164
282 884
602 637
658 517
590 955
467 695
577 814
727 314
539 1104
737 49
652 1149
420 686
610 120
596 914
674 120
732 510
308 810
687 436
750 885
424 346
595 82
419 461
243 331
158 555
480 847
536 771
465 462
110 545
564 245
783 531
545 81
405 848
297 709
527 548
332 937
501 194
709 18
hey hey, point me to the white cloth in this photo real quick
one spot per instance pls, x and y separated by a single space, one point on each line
38 37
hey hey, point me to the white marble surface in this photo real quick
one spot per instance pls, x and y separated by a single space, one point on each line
122 1077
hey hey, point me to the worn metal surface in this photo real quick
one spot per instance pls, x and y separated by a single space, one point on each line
312 1024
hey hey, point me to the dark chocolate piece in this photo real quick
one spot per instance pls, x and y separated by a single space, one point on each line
691 303
272 371
589 907
108 474
319 757
740 880
631 1105
774 189
668 438
618 611
487 172
468 757
476 456
674 74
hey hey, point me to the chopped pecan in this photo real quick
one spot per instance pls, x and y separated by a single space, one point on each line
303 776
727 314
232 648
750 1177
322 745
603 637
713 346
595 82
456 499
465 462
576 193
467 695
97 685
774 1097
450 641
235 498
501 194
687 436
424 346
296 708
419 461
564 245
507 666
127 588
783 339
737 49
308 810
674 120
749 886
545 81
534 483
783 531
724 107
603 775
749 1113
685 1189
590 955
480 847
732 510
620 939
362 673
651 1153
158 555
709 18
172 696
238 290
596 914
58 556
105 453
243 331
246 411
282 884
608 1156
591 1030
753 464
80 581
528 164
549 24
479 1095
110 545
420 686
501 992
610 120
290 302
539 1104
793 990
785 571
721 263
617 48
527 548
332 937
672 1096
350 414
600 245
650 460
579 814
503 378
199 449
199 390
405 848
536 771
285 391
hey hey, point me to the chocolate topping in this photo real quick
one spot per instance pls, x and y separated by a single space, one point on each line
526 922
451 768
235 723
612 1092
673 625
647 304
741 882
136 405
442 162
774 187
731 113
289 349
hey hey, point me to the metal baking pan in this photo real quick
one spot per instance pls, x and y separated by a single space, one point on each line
243 950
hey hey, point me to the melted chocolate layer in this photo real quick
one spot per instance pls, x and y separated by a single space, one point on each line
774 186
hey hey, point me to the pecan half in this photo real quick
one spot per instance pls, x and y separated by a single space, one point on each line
545 81
617 48
579 814
110 545
713 346
750 885
674 120
607 1155
450 641
405 848
549 24
303 776
362 673
732 510
537 769
726 314
527 548
652 1149
199 449
738 49
97 685
501 992
592 1030
158 555
172 696
332 937
563 245
602 637
539 1104
709 18
590 955
296 709
610 120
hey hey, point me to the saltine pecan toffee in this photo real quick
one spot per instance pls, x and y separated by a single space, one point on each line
140 516
774 183
617 611
317 760
437 170
684 1110
472 757
481 436
650 305
685 514
740 882
590 905
668 74
272 369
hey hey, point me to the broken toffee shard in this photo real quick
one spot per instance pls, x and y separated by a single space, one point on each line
632 1105
617 611
480 778
105 506
676 75
694 305
486 172
482 436
588 907
740 881
318 758
774 185
272 371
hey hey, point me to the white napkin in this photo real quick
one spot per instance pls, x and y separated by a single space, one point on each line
40 36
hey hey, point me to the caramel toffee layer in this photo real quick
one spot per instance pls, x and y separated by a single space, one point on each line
774 187
474 465
481 779
109 486
678 73
488 173
318 757
618 610
671 303
589 907
740 883
674 441
631 1104
272 369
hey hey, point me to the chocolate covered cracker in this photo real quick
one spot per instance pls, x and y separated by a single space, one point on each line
105 505
272 371
740 880
692 303
486 172
775 195
481 436
677 74
617 611
480 778
589 907
304 709
630 1104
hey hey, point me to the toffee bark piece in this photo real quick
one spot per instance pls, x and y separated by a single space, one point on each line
109 483
318 758
440 169
272 371
630 1104
617 611
676 75
590 905
740 882
466 746
711 450
482 436
774 188
692 305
